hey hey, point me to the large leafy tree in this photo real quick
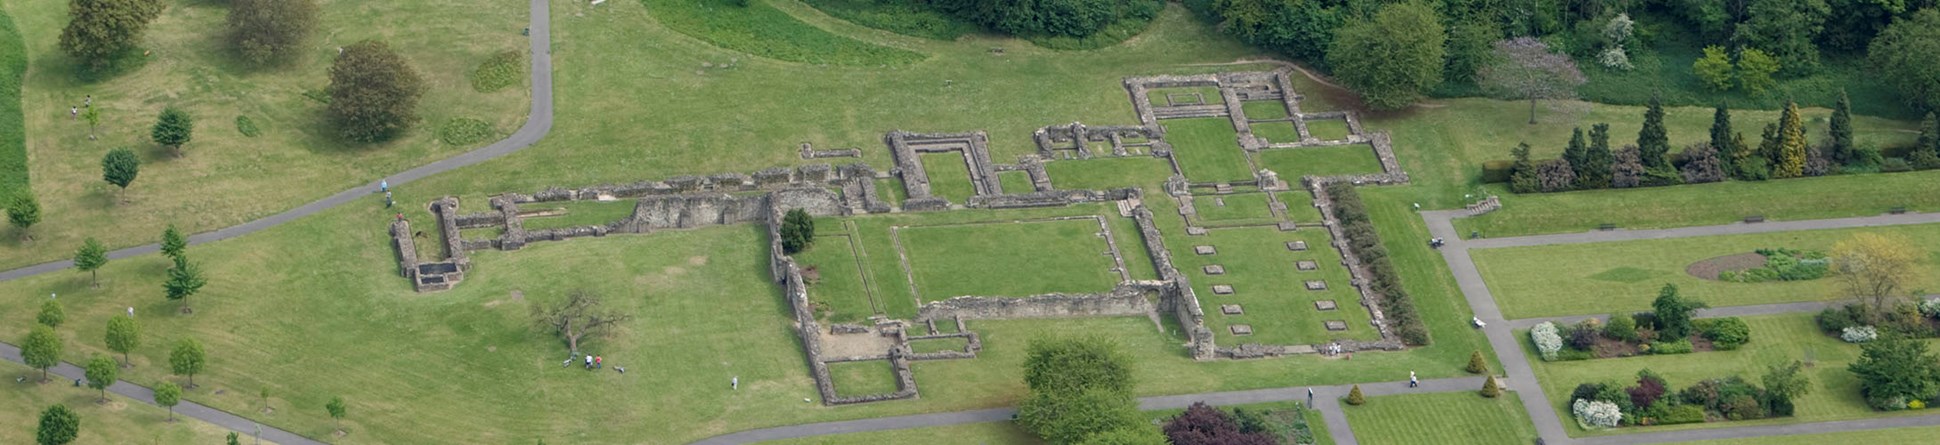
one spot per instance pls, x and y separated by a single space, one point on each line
102 373
1875 268
187 359
51 314
58 426
119 167
90 259
581 315
184 280
1301 29
1525 68
373 92
1202 424
1391 69
1714 68
167 394
99 30
41 349
1893 371
1786 29
123 336
265 31
1079 387
1674 313
1907 57
24 213
1072 18
173 242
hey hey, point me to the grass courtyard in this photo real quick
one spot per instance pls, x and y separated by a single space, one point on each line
1270 289
1207 148
1008 258
1600 278
1292 163
1453 418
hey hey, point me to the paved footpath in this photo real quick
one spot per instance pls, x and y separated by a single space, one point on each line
537 123
66 372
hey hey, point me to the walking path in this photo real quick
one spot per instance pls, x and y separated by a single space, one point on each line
537 123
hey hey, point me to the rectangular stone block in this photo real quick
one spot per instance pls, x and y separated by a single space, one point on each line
1222 289
1316 285
1306 265
1195 231
1336 325
1214 269
1325 305
1241 329
1204 250
1230 309
1296 245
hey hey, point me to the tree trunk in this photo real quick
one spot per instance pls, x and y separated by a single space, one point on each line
125 363
1532 111
94 279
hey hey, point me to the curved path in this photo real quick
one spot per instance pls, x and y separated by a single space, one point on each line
537 124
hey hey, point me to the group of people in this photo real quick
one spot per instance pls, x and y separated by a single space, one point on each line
75 112
593 362
1436 242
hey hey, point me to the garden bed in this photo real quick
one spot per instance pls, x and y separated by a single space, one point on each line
1709 268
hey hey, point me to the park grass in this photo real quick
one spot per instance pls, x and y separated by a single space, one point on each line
1131 245
1833 392
119 421
1276 132
1451 418
1207 149
13 136
1270 289
1624 276
1883 436
1015 181
759 29
845 297
225 178
938 344
578 213
1235 207
1264 109
863 378
1008 259
882 266
949 176
988 433
1357 159
1158 96
910 19
1108 173
1328 129
1708 204
1300 206
504 69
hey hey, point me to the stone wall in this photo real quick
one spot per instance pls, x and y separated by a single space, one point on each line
1054 198
1176 296
1355 268
1123 301
906 148
789 276
1487 205
407 249
768 179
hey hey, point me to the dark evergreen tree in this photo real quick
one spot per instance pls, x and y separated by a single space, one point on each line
797 231
1768 146
1523 177
1578 152
1653 142
1841 149
1721 135
1926 152
1595 171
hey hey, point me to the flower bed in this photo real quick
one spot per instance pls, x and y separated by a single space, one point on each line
1624 337
1650 401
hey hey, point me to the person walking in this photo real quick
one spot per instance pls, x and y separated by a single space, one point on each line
734 383
1412 382
599 362
74 113
589 362
1310 397
384 185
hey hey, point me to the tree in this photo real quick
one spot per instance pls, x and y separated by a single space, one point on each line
1783 383
1745 162
1906 55
1895 370
1489 388
1525 68
373 92
1786 29
51 314
1721 135
1072 364
24 213
123 337
265 31
1755 69
232 440
797 231
580 316
1673 313
1628 169
1622 326
1926 152
1653 143
336 409
1469 47
1714 68
173 242
1391 69
41 349
1594 173
1476 365
1874 266
184 280
90 259
119 167
1791 144
173 128
1701 164
1522 177
1071 18
1577 152
1556 175
187 359
1065 418
58 426
1354 396
167 395
1202 424
99 30
93 117
102 372
1841 147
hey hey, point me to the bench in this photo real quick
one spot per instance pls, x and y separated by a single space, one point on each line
1606 227
1754 219
1901 210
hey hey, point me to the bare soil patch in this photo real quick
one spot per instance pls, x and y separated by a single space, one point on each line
1710 268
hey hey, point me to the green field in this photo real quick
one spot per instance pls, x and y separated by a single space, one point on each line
1008 259
1834 391
1328 129
1892 435
1600 278
1697 205
863 378
576 213
1441 418
912 19
1207 149
993 433
839 285
119 421
1264 109
949 176
1270 290
1108 173
13 144
1292 163
1016 181
1246 207
756 28
1276 132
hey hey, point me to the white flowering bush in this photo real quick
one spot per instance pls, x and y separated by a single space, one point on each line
1619 29
1615 58
1859 334
1930 307
1596 414
1548 342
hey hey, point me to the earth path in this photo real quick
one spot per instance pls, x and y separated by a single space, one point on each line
537 124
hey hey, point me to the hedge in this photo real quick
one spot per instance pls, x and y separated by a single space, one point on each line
1366 244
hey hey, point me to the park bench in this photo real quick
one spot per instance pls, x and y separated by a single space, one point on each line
1607 227
1901 210
1754 219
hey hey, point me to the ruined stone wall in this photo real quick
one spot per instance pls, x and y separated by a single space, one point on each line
776 178
691 211
1052 198
1350 261
1487 205
407 249
479 220
1176 297
1123 301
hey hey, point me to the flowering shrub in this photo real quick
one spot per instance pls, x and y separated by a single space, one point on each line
1859 334
1596 414
1548 342
1615 58
1930 307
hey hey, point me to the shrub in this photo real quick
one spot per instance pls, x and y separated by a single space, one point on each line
1837 319
1476 365
1489 388
1587 391
265 31
1930 307
1497 171
1596 414
797 231
373 92
247 127
1859 334
1583 335
1366 243
464 131
1354 396
1548 343
499 71
1621 327
1555 176
1741 407
1671 347
1725 333
1676 414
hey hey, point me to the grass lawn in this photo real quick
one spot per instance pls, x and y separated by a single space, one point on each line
1108 173
756 28
992 433
1892 435
1270 290
949 176
1276 132
1016 181
912 19
1600 278
577 213
1300 206
1292 163
225 178
840 286
119 421
1161 97
1328 129
1237 207
1441 418
1008 259
1207 149
863 378
892 284
1705 204
1264 109
13 144
1834 392
938 344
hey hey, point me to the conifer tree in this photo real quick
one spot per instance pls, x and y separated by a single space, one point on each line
1594 173
1522 178
1791 144
1721 135
1653 142
1841 131
1578 151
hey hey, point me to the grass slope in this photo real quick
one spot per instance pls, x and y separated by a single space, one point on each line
754 27
1441 418
119 421
13 136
